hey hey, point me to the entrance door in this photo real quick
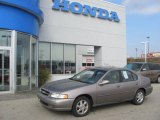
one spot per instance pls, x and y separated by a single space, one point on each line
4 70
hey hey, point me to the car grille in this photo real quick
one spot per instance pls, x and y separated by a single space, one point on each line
45 92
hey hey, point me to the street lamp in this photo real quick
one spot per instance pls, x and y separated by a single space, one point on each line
136 52
145 49
148 44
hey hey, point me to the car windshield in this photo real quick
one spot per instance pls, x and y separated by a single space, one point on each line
89 76
134 66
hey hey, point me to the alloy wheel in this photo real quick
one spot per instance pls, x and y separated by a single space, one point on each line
82 107
140 97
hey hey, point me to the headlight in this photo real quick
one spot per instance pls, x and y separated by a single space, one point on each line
59 96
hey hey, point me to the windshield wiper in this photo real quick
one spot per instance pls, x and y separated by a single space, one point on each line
78 80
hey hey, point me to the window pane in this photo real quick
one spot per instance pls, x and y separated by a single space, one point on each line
57 59
83 64
44 56
70 58
112 77
89 64
23 61
33 61
5 38
135 77
153 66
126 76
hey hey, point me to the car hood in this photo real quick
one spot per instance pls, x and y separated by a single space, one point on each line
63 85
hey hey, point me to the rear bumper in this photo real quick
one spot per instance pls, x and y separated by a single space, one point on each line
149 90
56 104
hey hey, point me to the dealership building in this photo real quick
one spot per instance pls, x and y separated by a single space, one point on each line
64 36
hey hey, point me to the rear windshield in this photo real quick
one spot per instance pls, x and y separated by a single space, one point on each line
134 66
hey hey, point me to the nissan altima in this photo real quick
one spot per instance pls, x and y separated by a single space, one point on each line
94 87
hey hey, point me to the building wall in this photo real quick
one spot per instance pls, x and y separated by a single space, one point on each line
109 37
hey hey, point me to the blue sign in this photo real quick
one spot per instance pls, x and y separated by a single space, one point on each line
21 15
86 10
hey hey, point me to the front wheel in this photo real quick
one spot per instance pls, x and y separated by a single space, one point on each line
81 106
139 97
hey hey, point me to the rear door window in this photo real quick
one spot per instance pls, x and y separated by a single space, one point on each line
154 66
127 76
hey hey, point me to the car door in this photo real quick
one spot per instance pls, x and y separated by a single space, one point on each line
109 93
129 85
145 71
154 72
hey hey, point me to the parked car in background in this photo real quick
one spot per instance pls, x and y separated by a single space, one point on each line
94 87
150 70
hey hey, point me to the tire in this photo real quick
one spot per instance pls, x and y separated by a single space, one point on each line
158 79
81 106
139 97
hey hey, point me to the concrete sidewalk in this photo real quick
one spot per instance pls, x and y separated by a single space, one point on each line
19 95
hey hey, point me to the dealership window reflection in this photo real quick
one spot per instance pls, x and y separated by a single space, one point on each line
23 62
5 38
58 58
44 56
69 58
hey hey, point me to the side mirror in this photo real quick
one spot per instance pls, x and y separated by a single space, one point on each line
104 82
144 69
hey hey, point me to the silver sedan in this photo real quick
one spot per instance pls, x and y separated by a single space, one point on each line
94 87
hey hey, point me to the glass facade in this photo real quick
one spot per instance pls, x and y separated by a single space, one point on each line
5 43
45 56
4 70
69 58
23 61
5 38
26 62
58 58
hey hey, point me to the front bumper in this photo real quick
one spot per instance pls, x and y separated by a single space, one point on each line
56 104
149 90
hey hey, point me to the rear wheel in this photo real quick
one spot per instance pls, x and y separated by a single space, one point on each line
81 106
139 97
158 79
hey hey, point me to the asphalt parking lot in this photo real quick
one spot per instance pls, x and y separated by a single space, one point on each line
30 109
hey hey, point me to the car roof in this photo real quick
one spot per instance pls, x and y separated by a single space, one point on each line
112 68
137 62
142 63
106 68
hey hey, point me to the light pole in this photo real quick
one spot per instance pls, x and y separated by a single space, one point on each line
148 44
136 52
145 49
